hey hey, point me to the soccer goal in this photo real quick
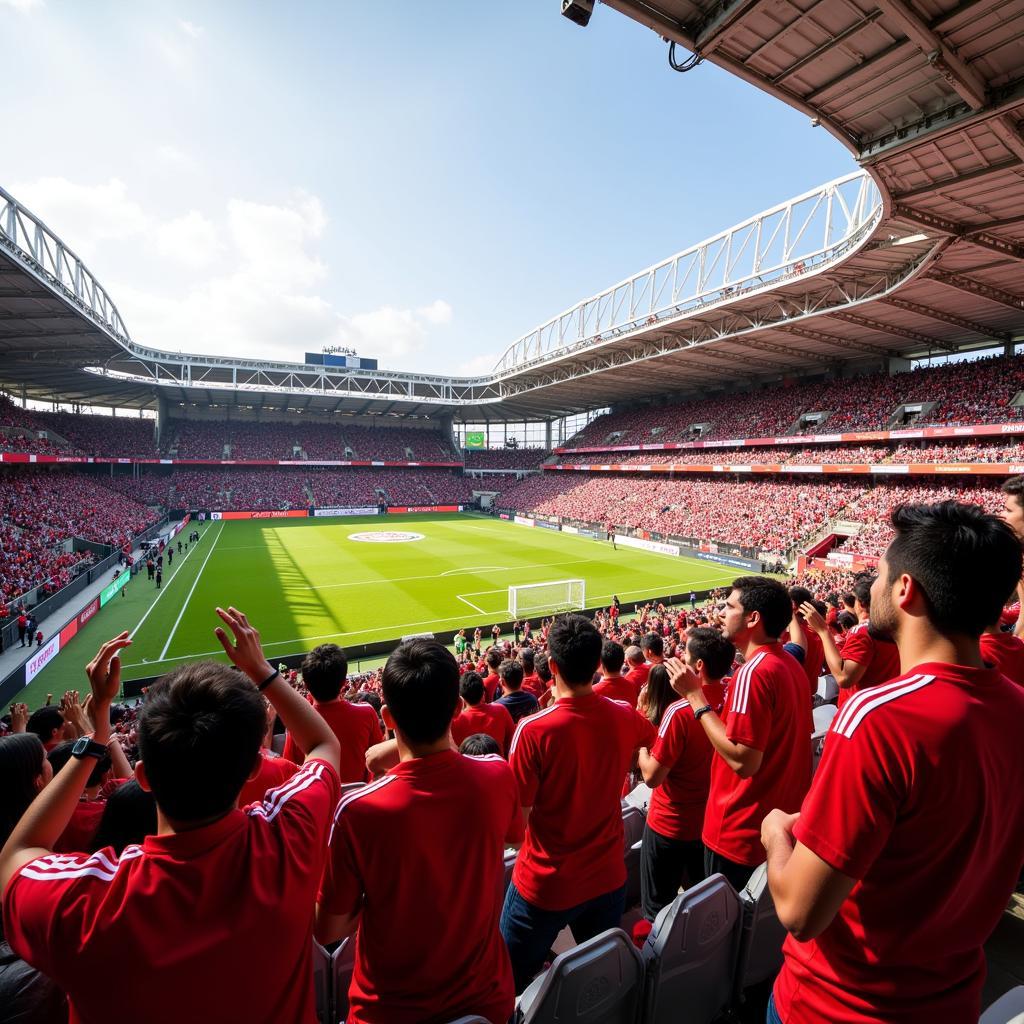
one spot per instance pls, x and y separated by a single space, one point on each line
538 598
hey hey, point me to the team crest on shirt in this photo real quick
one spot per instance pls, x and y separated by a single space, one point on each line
385 537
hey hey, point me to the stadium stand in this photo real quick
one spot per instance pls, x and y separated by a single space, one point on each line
505 458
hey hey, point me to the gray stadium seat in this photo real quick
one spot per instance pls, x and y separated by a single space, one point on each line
817 746
342 963
471 1020
761 934
690 955
828 688
639 797
633 822
510 863
599 981
277 743
823 715
323 983
1008 1009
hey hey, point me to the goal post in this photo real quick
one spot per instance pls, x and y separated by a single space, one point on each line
537 598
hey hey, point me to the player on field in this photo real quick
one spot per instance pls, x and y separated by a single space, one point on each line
899 864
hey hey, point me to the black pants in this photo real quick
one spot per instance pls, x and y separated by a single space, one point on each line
737 874
666 864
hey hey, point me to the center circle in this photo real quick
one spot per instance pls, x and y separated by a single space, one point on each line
385 537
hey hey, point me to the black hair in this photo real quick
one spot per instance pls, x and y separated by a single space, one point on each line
652 642
800 595
541 667
768 597
511 674
368 697
61 754
43 721
471 688
862 591
848 599
847 620
708 645
420 684
494 658
200 732
613 655
1014 487
965 561
129 816
659 694
479 744
526 657
324 671
574 645
21 763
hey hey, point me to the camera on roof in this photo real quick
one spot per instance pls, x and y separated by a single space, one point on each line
578 11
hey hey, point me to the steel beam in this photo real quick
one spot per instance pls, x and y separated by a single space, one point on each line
883 328
837 342
979 288
947 318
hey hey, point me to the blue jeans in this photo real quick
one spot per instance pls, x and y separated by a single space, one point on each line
529 931
772 1016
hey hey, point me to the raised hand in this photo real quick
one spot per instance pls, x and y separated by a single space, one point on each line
104 672
246 652
682 678
19 717
813 617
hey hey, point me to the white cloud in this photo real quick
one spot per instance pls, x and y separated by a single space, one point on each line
190 28
478 366
24 6
246 280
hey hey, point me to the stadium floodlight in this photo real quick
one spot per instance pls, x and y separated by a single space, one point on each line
545 598
578 11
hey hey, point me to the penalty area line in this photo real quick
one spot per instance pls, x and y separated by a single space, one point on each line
195 582
471 605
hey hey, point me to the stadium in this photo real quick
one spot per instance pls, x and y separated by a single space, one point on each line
756 405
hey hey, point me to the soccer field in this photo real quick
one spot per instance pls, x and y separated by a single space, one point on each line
305 582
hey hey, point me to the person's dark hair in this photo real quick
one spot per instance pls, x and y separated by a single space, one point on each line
708 645
368 697
848 599
420 684
494 659
965 561
43 722
799 595
479 745
200 732
652 644
847 620
1014 487
21 764
541 667
471 688
862 591
129 816
61 754
526 657
821 607
613 656
323 671
659 694
574 645
511 674
767 596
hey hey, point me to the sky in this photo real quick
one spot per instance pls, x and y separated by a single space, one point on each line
421 181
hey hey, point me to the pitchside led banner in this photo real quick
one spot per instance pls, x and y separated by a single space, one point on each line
474 439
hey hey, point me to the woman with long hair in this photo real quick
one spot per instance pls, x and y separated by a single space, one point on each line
657 694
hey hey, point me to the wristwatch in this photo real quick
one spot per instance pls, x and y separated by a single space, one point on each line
86 747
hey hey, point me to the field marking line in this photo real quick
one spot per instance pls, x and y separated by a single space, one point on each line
195 582
163 590
474 568
471 605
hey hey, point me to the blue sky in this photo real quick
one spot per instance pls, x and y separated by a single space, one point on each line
423 181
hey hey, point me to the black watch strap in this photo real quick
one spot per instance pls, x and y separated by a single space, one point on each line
702 711
86 747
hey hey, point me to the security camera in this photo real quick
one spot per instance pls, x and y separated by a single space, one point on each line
578 11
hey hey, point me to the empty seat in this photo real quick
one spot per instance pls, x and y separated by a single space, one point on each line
633 822
828 688
599 981
690 955
510 863
1008 1009
639 797
761 934
817 746
342 963
323 983
823 716
277 743
471 1020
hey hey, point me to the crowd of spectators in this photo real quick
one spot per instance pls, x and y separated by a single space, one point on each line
958 393
505 458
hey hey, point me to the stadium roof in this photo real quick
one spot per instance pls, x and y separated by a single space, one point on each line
923 253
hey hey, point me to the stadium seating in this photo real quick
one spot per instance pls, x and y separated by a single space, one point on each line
1008 1009
632 831
690 954
761 935
600 981
505 458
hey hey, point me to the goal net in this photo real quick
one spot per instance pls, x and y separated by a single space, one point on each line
538 598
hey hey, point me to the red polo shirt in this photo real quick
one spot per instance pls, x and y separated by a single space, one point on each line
617 688
492 719
418 854
534 684
274 771
1006 652
178 915
357 728
569 761
638 674
677 805
814 658
918 798
492 686
881 657
767 708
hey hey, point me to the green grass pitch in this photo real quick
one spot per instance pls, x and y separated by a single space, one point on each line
304 582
